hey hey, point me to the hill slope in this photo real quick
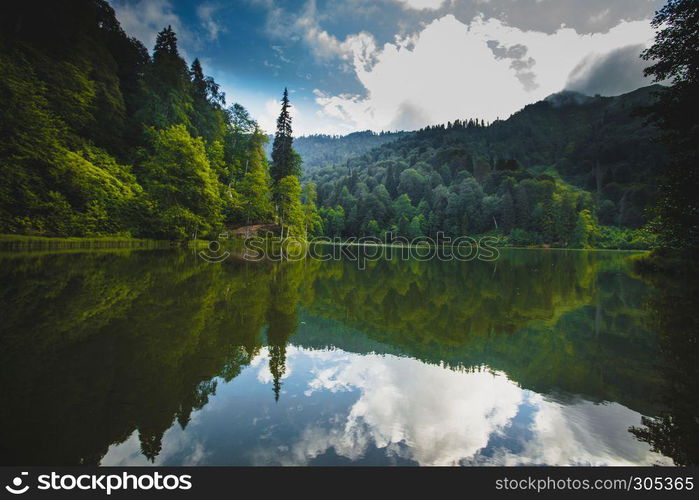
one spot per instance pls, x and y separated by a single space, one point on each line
549 174
320 150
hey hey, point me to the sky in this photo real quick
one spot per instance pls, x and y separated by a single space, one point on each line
355 65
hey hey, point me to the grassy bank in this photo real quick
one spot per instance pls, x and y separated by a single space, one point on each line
15 242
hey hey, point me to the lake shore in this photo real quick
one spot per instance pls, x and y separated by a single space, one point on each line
24 242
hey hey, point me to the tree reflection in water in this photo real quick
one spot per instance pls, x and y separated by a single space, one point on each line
98 345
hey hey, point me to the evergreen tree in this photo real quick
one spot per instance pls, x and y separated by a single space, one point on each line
675 56
284 160
392 180
168 96
208 115
199 87
165 43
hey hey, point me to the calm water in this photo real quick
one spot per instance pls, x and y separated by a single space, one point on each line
140 357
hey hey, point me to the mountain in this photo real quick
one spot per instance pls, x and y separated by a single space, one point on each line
570 170
320 150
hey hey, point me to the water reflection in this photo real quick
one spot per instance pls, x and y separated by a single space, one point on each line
159 357
673 307
386 409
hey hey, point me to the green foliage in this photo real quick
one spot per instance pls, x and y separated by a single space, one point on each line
585 230
674 57
253 188
320 150
527 179
180 184
285 161
169 96
291 213
333 220
312 220
97 137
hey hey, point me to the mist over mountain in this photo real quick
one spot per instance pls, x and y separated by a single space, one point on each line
320 150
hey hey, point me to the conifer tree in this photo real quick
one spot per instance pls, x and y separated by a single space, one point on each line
208 115
198 81
168 87
165 43
284 160
285 172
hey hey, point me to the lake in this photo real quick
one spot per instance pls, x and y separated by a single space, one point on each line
159 357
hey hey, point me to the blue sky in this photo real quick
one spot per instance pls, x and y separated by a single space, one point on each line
402 64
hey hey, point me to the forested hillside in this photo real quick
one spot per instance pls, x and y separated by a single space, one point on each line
320 150
569 171
98 136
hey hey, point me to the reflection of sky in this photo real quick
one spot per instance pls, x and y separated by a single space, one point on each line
340 408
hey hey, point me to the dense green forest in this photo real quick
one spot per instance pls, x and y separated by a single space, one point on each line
569 171
97 136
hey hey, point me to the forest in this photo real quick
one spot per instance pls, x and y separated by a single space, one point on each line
569 171
107 145
320 150
100 137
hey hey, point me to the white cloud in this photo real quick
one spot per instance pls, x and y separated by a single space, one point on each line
408 409
175 442
583 433
261 363
421 4
206 12
611 73
305 26
145 18
437 416
448 71
305 118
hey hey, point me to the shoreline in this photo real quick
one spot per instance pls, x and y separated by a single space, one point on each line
14 242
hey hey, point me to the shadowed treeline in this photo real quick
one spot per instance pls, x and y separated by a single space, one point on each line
673 307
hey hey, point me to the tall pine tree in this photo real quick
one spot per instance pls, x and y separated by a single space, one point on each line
284 159
208 115
168 99
285 173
